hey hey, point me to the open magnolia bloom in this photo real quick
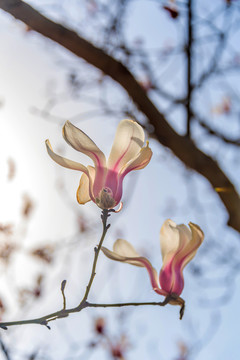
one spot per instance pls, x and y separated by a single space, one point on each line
103 182
178 246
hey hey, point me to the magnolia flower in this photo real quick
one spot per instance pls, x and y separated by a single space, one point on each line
103 183
178 246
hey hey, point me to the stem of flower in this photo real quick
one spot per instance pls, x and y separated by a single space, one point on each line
104 217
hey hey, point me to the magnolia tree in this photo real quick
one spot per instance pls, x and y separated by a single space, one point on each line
178 113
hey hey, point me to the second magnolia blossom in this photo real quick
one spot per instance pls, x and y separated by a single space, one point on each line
103 182
178 246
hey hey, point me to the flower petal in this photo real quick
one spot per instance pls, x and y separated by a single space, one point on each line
139 162
63 161
189 250
84 191
171 276
125 252
173 239
169 239
166 277
128 141
81 142
124 248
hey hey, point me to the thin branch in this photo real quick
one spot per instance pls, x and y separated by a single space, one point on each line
213 67
105 215
215 132
171 298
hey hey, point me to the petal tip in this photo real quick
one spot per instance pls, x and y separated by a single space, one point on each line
128 120
67 123
48 146
170 223
120 208
63 128
195 227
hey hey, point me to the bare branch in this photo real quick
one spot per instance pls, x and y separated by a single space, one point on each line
177 301
215 132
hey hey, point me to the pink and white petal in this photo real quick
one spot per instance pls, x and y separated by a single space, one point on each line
111 182
128 141
169 240
63 161
160 291
178 283
171 277
190 249
166 277
183 257
82 142
123 247
123 251
177 276
185 237
139 162
99 181
173 240
115 256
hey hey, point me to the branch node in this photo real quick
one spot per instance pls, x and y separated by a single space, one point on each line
45 323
